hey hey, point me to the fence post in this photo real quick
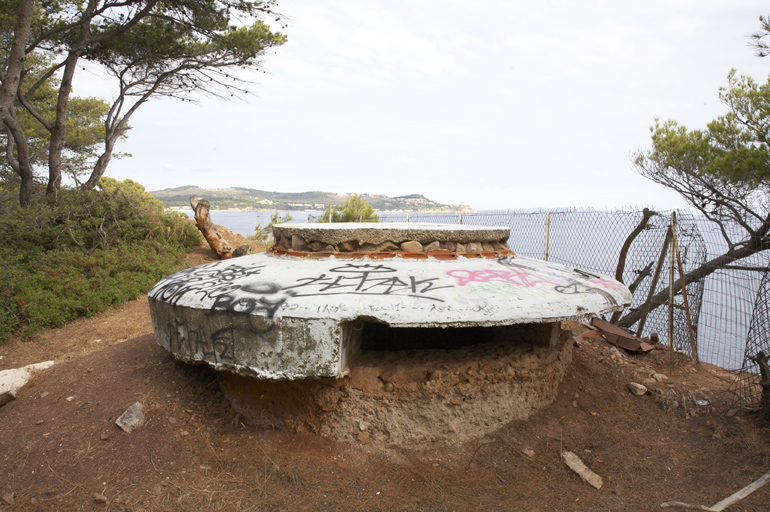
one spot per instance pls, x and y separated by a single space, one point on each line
654 284
671 264
461 218
547 233
407 217
690 330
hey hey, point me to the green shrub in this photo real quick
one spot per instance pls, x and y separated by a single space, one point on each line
84 253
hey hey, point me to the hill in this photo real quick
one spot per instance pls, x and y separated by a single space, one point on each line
240 198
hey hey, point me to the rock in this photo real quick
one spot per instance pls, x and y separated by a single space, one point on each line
284 242
100 498
460 248
367 247
529 452
387 246
132 418
348 246
365 378
298 243
243 250
317 246
39 422
472 247
637 389
411 246
11 381
486 246
8 499
448 246
659 377
432 246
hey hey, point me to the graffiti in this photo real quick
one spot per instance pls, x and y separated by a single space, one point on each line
512 276
365 279
203 281
517 274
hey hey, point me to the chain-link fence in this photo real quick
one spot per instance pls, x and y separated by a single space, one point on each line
720 305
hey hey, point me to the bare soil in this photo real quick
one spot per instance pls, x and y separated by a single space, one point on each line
61 450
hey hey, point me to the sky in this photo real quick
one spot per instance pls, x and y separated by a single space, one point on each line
494 104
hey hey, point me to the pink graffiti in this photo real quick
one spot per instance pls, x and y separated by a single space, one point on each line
609 283
514 276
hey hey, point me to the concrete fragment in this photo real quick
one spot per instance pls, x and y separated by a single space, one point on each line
575 464
131 419
11 381
637 389
411 246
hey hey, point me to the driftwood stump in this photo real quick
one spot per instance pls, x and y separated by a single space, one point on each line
764 371
209 230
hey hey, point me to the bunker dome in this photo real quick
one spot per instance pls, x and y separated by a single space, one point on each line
326 293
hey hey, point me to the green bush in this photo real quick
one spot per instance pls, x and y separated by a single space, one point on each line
84 253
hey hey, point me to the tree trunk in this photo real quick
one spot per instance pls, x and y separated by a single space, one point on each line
101 165
646 215
59 128
209 229
764 370
10 86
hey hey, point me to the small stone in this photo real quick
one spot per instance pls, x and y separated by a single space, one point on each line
39 422
364 438
298 243
659 377
70 398
411 246
574 403
637 389
389 387
185 433
100 498
454 401
316 246
44 394
104 436
8 499
387 246
172 420
432 246
348 246
731 413
529 452
132 418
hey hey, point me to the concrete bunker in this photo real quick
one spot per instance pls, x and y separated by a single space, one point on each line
397 334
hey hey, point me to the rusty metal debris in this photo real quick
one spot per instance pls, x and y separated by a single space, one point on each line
621 337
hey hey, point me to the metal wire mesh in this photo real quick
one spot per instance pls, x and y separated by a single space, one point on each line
720 305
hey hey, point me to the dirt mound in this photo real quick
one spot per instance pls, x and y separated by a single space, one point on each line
412 399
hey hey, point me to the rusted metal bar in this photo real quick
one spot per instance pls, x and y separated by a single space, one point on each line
690 330
655 278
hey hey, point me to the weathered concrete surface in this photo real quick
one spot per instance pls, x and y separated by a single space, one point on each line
11 381
377 233
289 318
